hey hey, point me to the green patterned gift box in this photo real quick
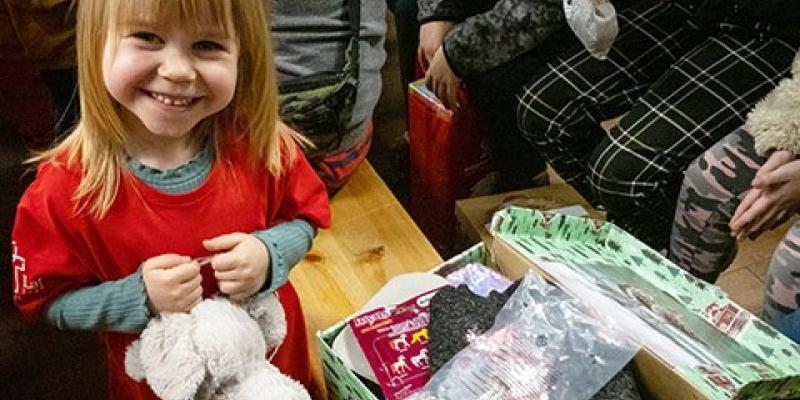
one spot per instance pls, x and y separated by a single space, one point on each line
765 364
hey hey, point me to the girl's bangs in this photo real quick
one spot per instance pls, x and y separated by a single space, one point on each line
197 14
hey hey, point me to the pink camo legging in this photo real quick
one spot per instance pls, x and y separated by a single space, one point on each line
700 242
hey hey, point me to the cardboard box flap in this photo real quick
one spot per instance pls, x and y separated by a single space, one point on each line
749 349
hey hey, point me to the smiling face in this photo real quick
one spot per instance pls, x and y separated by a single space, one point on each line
168 77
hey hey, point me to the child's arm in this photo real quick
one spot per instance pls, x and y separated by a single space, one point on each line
286 244
119 306
166 283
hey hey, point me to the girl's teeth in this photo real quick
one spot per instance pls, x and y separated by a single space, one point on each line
172 101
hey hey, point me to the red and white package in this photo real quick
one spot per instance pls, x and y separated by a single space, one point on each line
394 340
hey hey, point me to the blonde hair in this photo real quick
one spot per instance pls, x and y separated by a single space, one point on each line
98 140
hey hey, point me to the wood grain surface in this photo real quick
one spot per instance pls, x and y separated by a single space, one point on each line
371 239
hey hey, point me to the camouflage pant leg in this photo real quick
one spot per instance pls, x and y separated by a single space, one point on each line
713 186
783 278
700 242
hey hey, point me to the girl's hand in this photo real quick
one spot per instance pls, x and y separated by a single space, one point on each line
241 264
172 282
774 198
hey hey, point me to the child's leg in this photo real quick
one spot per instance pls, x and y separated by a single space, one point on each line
712 189
292 357
782 297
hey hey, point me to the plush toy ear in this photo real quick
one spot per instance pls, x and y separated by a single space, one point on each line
172 366
133 361
268 312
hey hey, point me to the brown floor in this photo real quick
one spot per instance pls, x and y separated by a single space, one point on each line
39 362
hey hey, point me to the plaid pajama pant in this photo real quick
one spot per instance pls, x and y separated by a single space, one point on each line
701 243
681 89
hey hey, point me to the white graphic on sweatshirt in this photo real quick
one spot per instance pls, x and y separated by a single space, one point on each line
22 285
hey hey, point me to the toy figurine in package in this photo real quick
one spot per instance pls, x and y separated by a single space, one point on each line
394 340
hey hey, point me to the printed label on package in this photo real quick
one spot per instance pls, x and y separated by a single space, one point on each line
394 340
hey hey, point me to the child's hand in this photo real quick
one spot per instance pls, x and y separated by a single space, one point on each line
774 198
172 282
241 268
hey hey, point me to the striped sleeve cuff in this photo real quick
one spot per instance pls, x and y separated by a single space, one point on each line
119 306
286 244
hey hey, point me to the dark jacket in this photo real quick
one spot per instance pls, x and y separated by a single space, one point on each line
489 33
779 18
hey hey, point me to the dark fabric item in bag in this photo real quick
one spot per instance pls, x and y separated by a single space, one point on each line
320 106
456 316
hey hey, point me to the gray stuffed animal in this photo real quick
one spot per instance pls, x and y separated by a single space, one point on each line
215 352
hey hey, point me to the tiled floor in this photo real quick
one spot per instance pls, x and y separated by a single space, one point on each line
744 279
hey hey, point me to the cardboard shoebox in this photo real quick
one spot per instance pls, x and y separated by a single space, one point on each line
474 213
741 356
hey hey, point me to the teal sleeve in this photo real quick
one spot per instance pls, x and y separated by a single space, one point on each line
286 243
119 306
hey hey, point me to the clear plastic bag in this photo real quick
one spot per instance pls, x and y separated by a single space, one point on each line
594 22
542 346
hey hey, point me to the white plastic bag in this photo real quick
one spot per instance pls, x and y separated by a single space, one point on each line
594 23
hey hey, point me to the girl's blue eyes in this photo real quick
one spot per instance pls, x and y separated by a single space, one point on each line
208 45
202 45
146 36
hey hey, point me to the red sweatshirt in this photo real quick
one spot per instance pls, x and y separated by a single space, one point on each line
58 250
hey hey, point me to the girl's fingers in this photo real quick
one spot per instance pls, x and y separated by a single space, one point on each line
226 275
196 297
223 242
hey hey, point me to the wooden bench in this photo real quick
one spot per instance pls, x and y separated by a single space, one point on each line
372 239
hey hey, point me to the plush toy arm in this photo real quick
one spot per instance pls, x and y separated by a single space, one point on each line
133 361
167 357
268 312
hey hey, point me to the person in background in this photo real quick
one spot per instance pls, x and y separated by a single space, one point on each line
43 34
493 46
407 29
745 184
178 154
683 73
313 36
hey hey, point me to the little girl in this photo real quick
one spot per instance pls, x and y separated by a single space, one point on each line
178 155
745 184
